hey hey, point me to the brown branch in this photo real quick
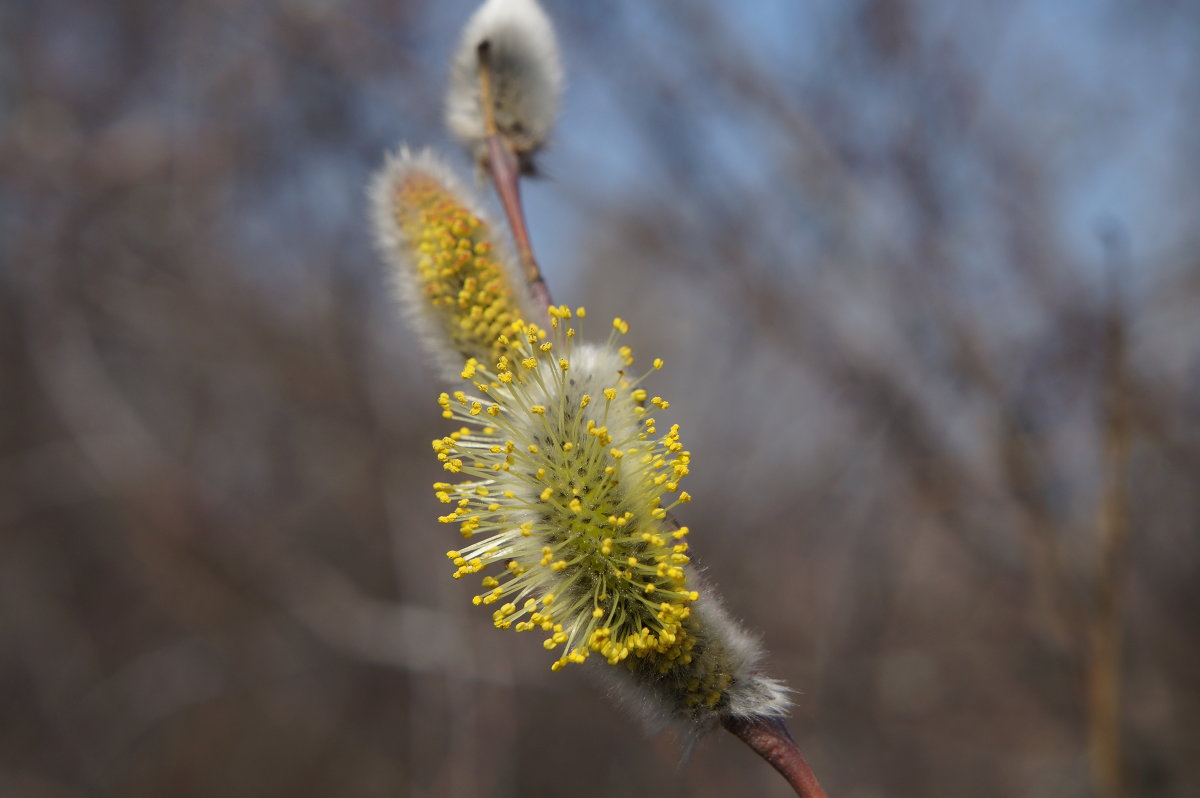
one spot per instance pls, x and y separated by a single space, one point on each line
505 170
505 174
1104 660
770 739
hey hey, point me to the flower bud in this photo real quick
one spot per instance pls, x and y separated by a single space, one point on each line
516 41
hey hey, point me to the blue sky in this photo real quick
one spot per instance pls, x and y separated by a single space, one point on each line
1109 93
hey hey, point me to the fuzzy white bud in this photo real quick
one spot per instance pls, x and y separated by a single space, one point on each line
525 76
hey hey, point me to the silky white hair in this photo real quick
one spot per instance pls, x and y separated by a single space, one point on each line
526 78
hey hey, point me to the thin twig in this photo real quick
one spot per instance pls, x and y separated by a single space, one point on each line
1104 661
503 165
506 176
770 739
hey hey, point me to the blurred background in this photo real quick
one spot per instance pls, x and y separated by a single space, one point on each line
926 276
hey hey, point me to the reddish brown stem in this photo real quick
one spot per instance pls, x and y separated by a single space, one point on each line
770 739
1104 661
506 175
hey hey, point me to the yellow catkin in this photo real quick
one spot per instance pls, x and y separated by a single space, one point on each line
460 278
601 536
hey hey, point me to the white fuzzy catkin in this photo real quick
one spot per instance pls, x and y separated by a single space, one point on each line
526 78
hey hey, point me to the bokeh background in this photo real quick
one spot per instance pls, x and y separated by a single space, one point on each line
926 276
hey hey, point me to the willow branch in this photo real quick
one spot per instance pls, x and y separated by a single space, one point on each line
770 739
1104 660
506 176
